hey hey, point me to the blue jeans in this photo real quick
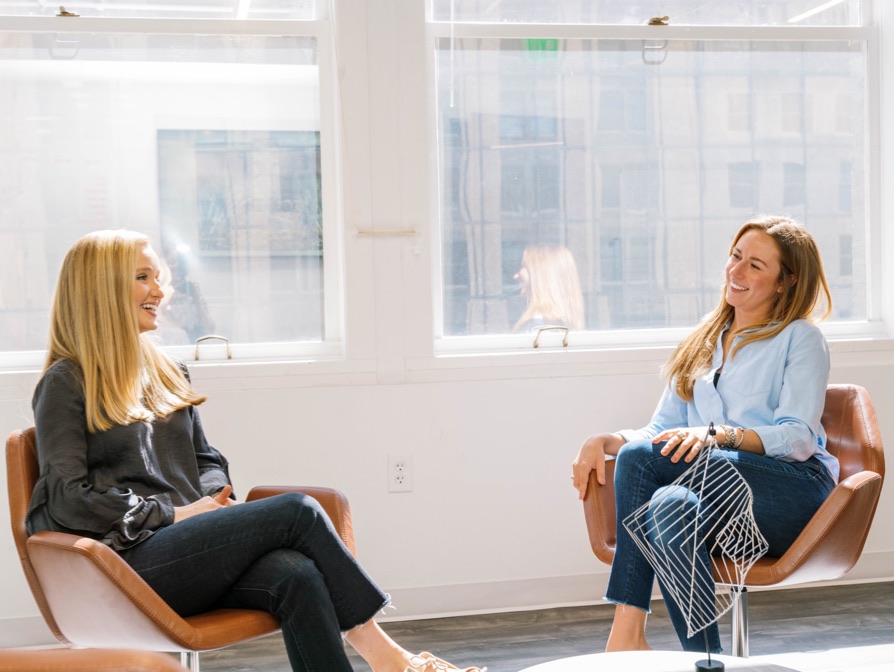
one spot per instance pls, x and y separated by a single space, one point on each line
786 495
281 555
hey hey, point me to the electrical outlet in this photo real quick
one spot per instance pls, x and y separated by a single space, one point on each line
400 473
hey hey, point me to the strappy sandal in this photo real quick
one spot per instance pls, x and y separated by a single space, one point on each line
428 662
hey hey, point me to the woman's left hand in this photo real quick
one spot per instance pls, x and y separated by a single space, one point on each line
682 443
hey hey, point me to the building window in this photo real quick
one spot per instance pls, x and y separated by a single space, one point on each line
793 186
742 183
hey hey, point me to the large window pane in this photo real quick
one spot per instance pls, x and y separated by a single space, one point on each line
209 144
640 163
241 210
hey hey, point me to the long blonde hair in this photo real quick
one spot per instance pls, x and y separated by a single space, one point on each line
94 324
804 287
554 287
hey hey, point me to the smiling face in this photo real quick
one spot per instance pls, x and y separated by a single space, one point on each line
753 278
147 293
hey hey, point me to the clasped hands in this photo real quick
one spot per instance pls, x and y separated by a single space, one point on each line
682 443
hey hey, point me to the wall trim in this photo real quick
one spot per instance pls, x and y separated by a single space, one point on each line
492 597
565 591
24 632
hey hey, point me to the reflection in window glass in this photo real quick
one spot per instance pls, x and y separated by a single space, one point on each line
165 135
739 111
845 187
641 171
792 112
241 210
793 187
679 12
742 180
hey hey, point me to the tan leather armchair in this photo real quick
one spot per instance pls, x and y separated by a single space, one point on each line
833 540
87 660
90 598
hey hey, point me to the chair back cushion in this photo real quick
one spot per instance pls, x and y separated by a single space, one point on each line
852 430
22 471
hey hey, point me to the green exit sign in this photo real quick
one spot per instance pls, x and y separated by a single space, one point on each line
542 44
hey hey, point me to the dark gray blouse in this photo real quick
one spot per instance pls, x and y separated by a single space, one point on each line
119 485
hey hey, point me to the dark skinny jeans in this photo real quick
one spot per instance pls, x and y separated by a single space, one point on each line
281 555
786 495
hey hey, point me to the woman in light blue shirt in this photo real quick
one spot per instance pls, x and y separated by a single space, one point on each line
757 369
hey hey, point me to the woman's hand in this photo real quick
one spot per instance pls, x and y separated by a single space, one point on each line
223 497
591 456
218 501
682 443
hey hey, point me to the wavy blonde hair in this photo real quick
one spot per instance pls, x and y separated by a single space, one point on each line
554 287
804 290
94 324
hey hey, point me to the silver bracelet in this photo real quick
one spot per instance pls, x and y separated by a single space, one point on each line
741 439
729 437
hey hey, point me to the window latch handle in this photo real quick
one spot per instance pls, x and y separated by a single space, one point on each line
552 327
210 337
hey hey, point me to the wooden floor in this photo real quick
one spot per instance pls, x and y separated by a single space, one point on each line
781 621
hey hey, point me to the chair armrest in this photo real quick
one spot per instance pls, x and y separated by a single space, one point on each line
88 660
333 502
831 543
599 512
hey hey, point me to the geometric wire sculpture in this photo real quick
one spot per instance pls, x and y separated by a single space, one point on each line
703 522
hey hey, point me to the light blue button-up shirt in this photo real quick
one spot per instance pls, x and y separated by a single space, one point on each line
775 387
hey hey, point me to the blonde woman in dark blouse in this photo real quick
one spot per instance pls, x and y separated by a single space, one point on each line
124 459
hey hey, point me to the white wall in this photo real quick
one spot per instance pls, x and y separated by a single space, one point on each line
492 522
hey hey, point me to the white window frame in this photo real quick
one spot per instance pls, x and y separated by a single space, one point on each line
333 347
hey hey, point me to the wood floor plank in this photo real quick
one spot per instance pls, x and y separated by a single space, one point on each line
781 621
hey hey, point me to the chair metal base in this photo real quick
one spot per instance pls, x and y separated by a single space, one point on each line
190 660
740 624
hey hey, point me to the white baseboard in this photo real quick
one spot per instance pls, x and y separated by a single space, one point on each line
563 591
25 631
495 596
478 598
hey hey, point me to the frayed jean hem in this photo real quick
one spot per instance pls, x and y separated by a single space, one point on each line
621 603
380 611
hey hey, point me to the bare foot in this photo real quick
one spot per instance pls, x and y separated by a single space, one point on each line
628 630
640 645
